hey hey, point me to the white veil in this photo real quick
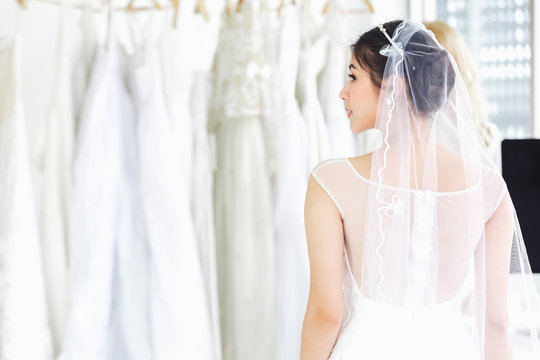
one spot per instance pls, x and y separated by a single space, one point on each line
439 226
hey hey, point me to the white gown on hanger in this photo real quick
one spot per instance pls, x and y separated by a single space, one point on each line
243 209
195 29
312 60
24 332
292 266
331 80
55 166
179 312
202 199
108 287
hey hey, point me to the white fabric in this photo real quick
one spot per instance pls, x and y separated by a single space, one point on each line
84 51
243 209
312 59
341 139
55 168
134 253
108 255
202 199
24 332
292 267
366 334
180 324
194 29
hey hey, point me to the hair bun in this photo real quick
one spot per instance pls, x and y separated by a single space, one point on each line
430 73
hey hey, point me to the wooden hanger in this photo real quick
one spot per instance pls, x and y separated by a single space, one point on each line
23 4
200 8
175 14
239 6
131 7
369 9
229 8
282 4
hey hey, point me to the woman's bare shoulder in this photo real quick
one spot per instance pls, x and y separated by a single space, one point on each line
362 164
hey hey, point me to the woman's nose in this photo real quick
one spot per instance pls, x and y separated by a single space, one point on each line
342 94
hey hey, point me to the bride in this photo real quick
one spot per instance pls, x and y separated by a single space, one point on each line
410 246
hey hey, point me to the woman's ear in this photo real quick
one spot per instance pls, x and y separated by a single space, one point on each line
396 81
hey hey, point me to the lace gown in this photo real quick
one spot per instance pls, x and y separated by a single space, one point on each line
24 332
378 330
243 209
292 267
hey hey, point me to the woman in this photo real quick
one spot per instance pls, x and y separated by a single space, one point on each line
410 245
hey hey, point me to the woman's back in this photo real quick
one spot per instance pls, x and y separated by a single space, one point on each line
452 243
428 269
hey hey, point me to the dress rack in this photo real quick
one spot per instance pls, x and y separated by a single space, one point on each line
200 7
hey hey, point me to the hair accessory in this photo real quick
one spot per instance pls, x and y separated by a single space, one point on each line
383 30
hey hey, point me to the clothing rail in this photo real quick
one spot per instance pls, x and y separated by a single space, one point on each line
200 7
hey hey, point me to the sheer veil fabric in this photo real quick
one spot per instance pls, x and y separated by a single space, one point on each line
431 234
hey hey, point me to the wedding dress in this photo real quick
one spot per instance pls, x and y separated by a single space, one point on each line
341 139
24 330
314 42
55 168
108 256
430 231
243 209
160 84
292 267
378 330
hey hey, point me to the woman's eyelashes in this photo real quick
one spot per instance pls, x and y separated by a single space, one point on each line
352 77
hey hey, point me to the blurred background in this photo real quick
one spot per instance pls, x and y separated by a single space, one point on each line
154 156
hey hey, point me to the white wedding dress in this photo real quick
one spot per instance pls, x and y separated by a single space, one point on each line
55 168
373 329
108 284
180 324
243 209
292 265
24 332
314 42
331 80
194 29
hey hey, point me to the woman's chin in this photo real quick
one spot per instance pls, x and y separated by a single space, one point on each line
357 128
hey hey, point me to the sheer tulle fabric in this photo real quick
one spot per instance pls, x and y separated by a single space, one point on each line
432 224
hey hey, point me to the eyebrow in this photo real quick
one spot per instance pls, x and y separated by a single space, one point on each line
352 66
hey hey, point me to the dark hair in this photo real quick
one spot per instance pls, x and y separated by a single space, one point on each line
427 66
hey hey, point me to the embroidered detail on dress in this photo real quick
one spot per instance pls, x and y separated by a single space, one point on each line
391 209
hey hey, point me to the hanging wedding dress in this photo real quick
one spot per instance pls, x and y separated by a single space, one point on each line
202 204
331 80
194 29
179 312
292 267
312 59
430 232
108 282
55 167
243 209
84 52
24 332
